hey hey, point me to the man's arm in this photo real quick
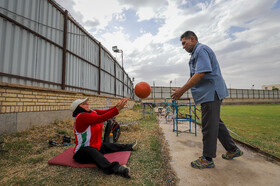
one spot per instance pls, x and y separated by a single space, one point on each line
190 83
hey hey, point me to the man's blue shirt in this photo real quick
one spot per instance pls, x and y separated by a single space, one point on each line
203 59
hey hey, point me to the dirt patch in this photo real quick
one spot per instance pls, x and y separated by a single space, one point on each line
128 115
170 174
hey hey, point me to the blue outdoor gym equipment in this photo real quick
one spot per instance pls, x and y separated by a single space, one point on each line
186 117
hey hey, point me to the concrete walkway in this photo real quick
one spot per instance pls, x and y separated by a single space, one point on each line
250 169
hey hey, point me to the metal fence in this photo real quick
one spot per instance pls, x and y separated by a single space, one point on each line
42 45
165 92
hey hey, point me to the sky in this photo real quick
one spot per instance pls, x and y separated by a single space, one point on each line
244 34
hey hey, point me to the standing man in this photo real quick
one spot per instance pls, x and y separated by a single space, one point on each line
208 89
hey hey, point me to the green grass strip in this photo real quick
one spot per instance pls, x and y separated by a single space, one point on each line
256 124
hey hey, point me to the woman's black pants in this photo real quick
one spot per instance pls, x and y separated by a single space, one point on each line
89 154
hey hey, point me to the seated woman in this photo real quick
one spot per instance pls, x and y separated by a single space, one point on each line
88 133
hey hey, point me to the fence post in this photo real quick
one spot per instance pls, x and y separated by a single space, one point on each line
63 73
154 84
99 69
115 76
131 90
123 80
152 92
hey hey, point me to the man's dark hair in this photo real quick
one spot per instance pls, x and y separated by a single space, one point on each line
188 34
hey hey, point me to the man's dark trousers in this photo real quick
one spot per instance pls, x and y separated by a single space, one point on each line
213 127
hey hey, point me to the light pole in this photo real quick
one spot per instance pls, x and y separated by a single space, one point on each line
115 49
253 91
170 87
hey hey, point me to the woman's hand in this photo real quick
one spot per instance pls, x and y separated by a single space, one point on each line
120 105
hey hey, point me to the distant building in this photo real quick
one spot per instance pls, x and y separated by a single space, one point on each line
270 87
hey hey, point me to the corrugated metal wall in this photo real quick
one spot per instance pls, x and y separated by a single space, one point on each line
166 92
36 49
24 54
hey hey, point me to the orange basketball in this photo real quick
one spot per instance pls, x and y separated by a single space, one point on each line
142 90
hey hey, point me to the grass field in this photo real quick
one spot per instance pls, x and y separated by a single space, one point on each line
256 124
25 163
